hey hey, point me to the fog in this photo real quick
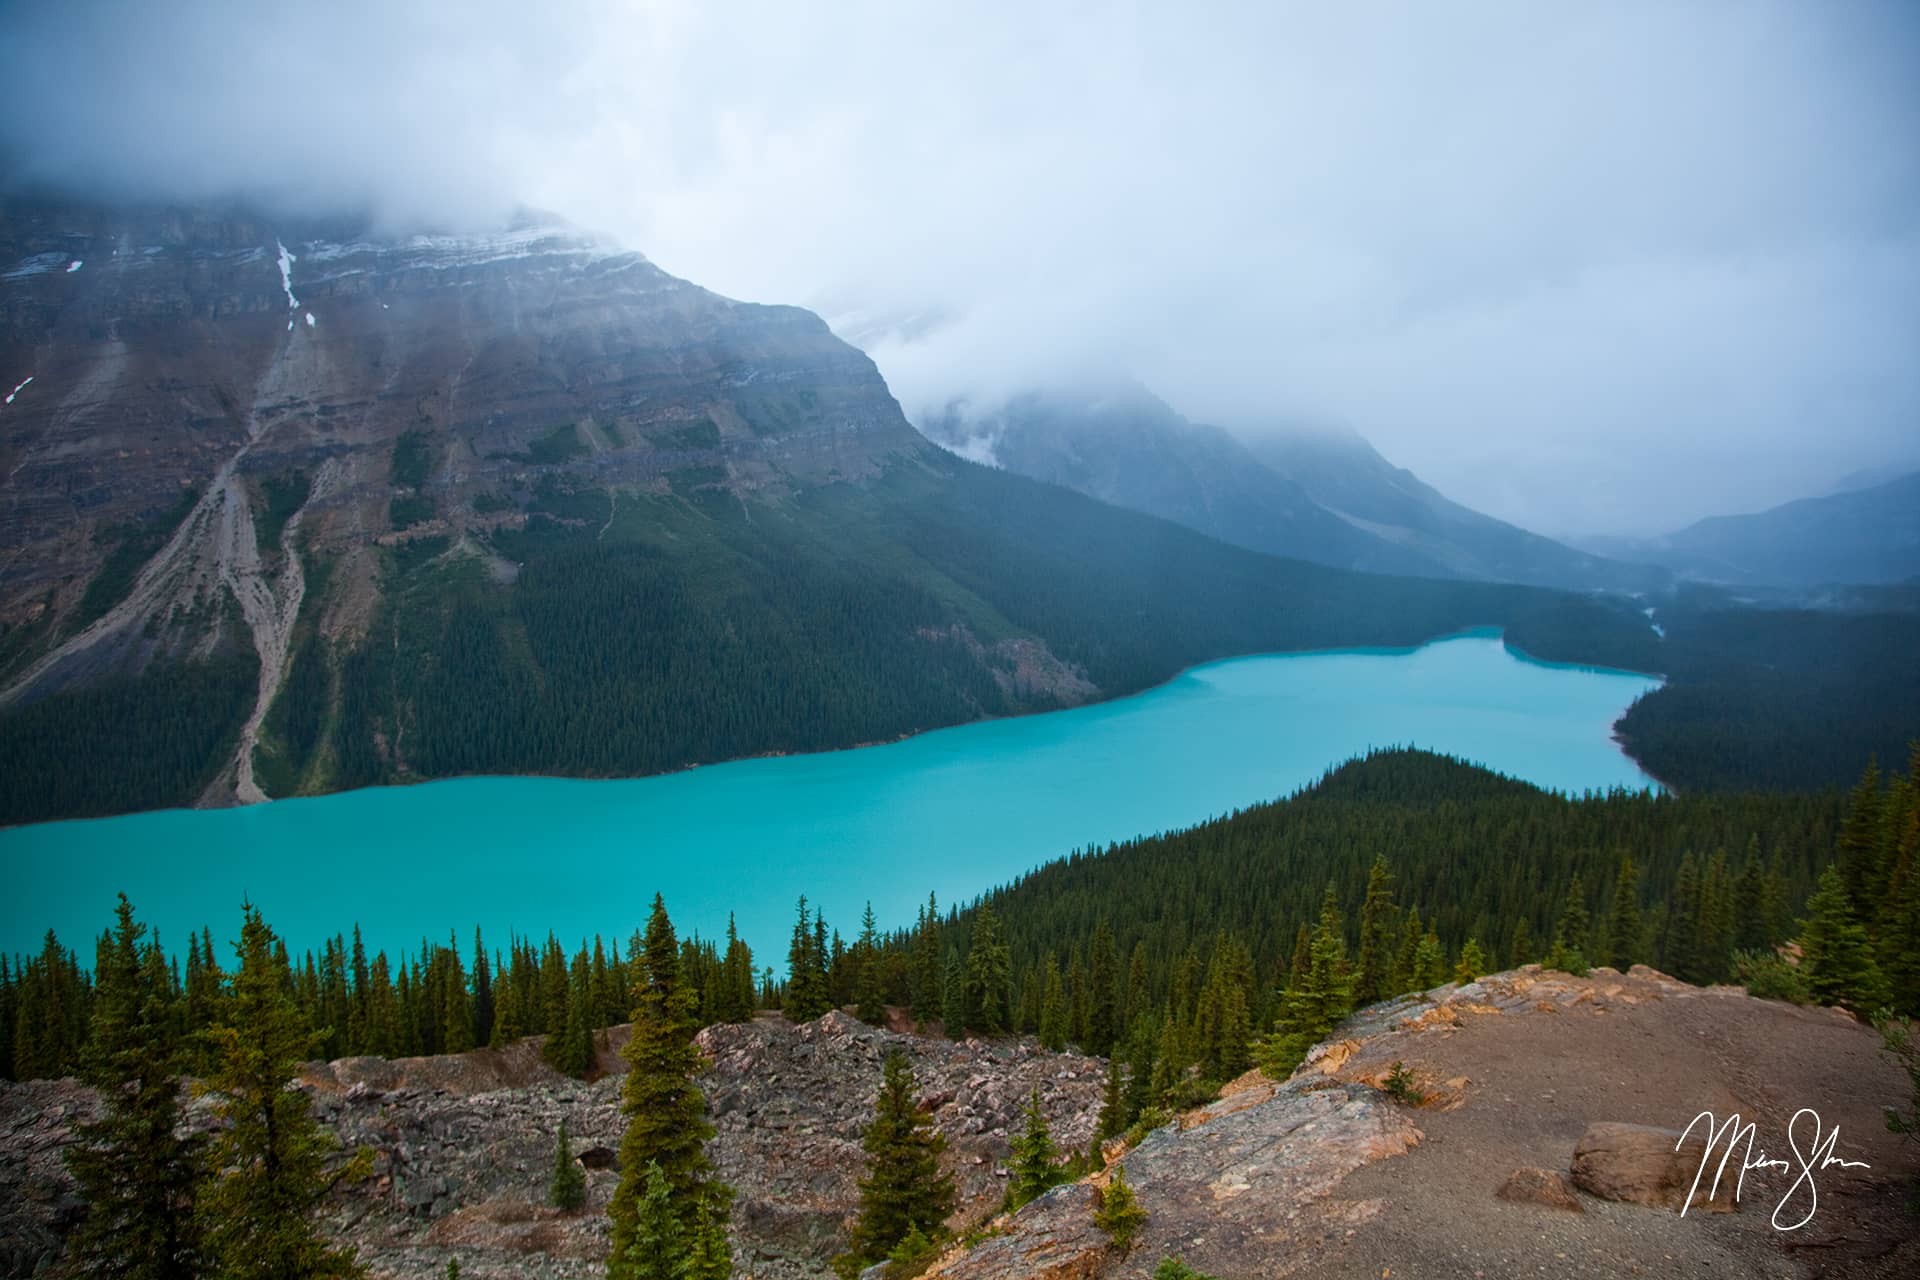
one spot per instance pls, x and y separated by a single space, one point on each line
1602 268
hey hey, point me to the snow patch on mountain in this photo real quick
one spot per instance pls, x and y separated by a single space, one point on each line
17 390
286 278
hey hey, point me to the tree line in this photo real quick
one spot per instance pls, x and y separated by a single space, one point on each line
240 1199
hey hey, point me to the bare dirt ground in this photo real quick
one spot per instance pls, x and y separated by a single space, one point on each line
1644 1051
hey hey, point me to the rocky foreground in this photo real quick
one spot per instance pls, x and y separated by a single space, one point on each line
463 1145
1538 1140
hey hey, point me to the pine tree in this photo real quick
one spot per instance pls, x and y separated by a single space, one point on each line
1103 993
953 1004
1859 843
1405 975
568 1190
1373 972
870 993
571 1051
1032 1171
276 1165
1520 944
807 996
1312 1008
1118 1211
929 969
1053 1006
655 1246
667 1127
904 1189
737 993
1569 936
1623 922
456 1034
1836 957
138 1179
1679 943
989 975
1429 962
1472 962
482 992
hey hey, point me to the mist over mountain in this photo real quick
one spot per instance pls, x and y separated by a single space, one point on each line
1317 494
1603 272
1868 535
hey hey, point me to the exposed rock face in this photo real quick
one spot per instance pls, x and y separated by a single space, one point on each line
1238 1187
1323 1177
198 351
463 1145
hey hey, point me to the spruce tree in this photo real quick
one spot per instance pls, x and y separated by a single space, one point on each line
1836 956
1520 944
571 1051
1373 971
1118 1211
138 1179
953 1004
667 1127
1569 936
869 988
1103 993
807 996
482 992
1623 922
1314 1006
1053 1006
904 1189
1429 963
568 1189
655 1246
275 1164
929 968
1405 975
1032 1171
1472 962
989 975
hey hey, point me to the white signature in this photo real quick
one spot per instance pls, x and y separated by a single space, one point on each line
1818 1155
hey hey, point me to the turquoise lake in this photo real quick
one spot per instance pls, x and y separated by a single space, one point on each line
954 811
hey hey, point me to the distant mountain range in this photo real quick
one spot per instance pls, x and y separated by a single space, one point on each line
1321 495
1866 536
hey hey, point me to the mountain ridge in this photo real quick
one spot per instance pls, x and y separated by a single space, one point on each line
1326 496
1868 536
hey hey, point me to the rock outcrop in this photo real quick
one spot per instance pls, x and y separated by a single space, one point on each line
1324 1176
463 1145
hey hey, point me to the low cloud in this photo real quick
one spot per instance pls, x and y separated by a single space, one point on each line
1598 268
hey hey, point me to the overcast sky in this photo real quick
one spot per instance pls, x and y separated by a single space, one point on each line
1596 267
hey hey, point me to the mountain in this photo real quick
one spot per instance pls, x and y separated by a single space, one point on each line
1863 536
1123 445
1321 496
295 506
1344 474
